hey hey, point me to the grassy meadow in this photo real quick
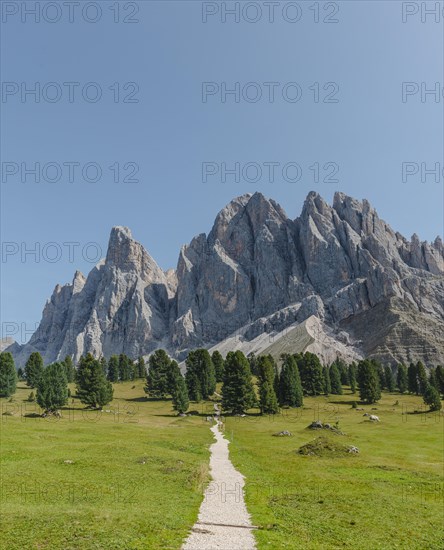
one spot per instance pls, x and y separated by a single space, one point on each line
134 481
132 478
388 496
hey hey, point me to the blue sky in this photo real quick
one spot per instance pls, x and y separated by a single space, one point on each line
170 131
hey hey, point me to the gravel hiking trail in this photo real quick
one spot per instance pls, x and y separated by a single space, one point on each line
224 522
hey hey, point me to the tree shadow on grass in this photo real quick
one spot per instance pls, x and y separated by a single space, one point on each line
360 403
143 399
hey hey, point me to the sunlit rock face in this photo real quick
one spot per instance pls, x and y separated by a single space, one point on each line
257 268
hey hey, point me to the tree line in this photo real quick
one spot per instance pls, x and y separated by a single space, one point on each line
283 385
286 385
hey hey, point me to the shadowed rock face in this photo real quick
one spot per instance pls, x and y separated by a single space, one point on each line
257 268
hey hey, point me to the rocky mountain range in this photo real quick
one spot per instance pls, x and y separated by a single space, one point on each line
339 273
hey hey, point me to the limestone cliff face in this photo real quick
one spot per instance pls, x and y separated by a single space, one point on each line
121 307
257 270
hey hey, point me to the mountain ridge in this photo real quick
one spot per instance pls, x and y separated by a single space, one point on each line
256 266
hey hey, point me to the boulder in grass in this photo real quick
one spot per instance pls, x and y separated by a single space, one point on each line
284 433
316 425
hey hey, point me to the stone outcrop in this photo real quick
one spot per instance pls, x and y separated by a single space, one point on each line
257 271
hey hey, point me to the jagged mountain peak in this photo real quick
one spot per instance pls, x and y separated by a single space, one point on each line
127 254
262 271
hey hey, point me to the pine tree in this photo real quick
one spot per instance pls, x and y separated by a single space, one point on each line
8 374
52 388
421 376
200 366
343 372
141 368
113 369
352 376
439 373
290 389
20 373
335 380
180 394
157 378
380 372
252 361
193 387
266 377
93 389
432 399
104 365
311 372
70 371
33 369
433 380
125 368
218 362
172 375
412 379
327 380
368 380
402 378
237 389
389 378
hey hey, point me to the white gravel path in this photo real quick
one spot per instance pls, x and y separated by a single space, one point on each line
224 522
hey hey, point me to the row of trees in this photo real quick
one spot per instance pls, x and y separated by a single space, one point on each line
51 381
299 375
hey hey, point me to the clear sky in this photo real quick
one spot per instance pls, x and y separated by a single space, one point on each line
337 99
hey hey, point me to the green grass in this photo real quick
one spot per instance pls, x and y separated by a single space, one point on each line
388 496
136 477
135 481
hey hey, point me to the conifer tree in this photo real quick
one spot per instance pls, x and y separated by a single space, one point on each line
218 362
8 374
93 389
70 370
252 361
172 375
439 373
368 380
352 376
200 367
412 379
125 368
33 369
421 376
266 377
432 399
433 380
113 369
389 378
158 382
311 372
402 378
104 365
290 389
141 369
180 394
335 380
327 381
380 372
343 371
237 389
52 387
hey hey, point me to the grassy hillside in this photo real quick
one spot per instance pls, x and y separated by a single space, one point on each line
135 480
388 496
